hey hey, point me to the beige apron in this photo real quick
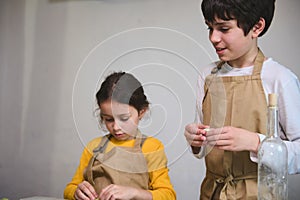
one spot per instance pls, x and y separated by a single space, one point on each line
125 166
239 102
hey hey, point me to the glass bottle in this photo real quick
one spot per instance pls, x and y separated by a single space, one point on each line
272 159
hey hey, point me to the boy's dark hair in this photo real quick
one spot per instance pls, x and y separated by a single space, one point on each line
246 12
123 88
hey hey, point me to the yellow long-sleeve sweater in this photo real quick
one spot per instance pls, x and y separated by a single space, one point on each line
159 183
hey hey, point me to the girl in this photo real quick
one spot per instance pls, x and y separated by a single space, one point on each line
124 164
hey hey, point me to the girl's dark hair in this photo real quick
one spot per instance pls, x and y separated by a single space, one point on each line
246 12
123 88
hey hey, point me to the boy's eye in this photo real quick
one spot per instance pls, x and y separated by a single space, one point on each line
224 29
221 29
209 28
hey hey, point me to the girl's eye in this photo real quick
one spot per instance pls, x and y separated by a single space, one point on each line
124 119
109 119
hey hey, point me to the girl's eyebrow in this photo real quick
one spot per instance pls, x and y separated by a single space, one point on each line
105 115
120 115
125 114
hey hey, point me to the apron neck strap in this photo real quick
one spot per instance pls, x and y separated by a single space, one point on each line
103 144
138 139
258 63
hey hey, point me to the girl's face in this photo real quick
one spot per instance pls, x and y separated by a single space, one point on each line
120 119
230 43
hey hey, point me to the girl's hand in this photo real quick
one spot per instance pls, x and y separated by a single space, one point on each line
233 139
117 192
85 191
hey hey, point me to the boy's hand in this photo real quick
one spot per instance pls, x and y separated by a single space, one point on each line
195 134
233 139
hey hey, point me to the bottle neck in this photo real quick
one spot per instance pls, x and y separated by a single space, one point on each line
272 122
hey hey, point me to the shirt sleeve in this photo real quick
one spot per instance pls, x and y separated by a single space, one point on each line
160 184
199 114
253 156
78 176
289 112
289 126
199 98
280 80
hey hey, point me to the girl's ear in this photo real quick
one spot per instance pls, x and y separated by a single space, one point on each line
142 113
258 28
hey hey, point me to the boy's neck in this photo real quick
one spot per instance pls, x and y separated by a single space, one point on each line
246 60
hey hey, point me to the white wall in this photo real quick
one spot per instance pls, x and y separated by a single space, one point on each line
54 53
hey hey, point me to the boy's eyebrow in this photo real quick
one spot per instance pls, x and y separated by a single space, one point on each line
217 23
223 23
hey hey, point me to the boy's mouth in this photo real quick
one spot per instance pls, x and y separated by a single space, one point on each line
220 50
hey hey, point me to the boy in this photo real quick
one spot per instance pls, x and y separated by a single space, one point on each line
231 100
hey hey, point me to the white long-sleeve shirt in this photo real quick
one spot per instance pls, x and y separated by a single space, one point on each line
275 79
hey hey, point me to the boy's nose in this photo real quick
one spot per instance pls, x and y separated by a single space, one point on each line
214 37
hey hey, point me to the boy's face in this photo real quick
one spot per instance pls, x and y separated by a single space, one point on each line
229 40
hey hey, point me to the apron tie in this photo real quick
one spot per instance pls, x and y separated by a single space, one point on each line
228 184
228 189
225 180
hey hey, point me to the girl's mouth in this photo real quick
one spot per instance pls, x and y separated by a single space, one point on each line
119 135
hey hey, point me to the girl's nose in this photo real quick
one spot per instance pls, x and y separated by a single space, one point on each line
116 126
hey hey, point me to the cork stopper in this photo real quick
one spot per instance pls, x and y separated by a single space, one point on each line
272 100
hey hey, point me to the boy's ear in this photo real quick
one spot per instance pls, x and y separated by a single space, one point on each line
258 27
